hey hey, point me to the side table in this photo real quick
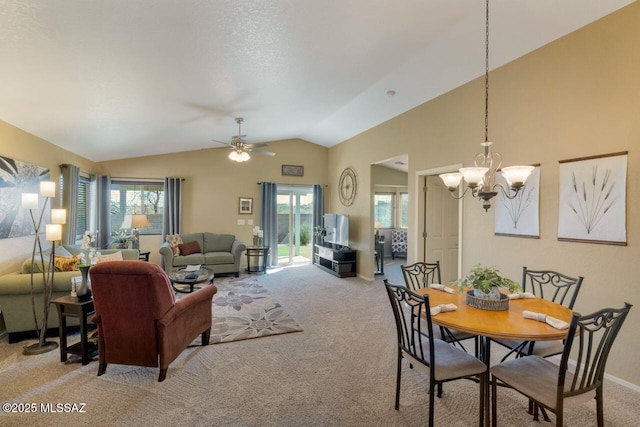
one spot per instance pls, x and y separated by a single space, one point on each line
261 253
144 256
69 306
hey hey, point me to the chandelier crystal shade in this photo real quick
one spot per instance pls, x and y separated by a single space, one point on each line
480 178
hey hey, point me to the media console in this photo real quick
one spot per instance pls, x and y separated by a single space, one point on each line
339 262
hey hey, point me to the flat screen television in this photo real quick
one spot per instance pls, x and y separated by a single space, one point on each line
337 227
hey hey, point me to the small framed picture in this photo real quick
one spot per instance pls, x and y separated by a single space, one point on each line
245 206
292 170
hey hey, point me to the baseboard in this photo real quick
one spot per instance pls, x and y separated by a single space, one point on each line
609 377
622 382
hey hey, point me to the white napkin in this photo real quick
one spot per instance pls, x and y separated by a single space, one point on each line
518 295
442 308
541 317
440 287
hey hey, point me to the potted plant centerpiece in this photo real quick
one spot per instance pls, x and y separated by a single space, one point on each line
486 283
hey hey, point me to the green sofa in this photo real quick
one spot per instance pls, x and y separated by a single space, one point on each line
15 294
220 252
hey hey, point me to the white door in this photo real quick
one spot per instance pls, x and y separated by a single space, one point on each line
441 224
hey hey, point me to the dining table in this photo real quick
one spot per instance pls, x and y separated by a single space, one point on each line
488 324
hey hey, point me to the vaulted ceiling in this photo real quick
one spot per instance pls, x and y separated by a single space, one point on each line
109 79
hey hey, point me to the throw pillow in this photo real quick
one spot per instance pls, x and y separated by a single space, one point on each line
174 240
116 256
189 248
65 263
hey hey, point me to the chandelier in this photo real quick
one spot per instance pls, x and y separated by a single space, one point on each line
480 179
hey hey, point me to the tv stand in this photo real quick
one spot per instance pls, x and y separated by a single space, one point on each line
339 262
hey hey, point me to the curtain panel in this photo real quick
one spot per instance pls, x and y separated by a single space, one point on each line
70 186
269 220
172 218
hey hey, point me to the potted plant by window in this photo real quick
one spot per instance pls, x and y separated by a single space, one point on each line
486 283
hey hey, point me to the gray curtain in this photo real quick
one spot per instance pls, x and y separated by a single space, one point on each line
269 220
102 187
70 186
172 207
318 212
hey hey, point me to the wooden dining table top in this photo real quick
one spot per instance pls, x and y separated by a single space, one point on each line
507 324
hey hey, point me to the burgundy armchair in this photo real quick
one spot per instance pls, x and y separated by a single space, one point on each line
139 320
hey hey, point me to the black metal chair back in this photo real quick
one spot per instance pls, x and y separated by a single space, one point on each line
408 311
551 285
421 274
589 339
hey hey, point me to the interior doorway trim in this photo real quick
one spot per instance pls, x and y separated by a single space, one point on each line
417 185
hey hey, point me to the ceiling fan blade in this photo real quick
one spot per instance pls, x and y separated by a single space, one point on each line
268 153
226 144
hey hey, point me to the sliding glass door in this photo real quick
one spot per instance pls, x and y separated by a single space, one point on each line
295 223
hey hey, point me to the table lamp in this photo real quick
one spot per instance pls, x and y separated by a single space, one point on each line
133 223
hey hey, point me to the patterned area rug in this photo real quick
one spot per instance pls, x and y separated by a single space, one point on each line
242 309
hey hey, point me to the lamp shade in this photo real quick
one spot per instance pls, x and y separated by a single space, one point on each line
48 189
29 200
135 221
54 232
451 180
140 221
517 175
58 216
473 176
378 224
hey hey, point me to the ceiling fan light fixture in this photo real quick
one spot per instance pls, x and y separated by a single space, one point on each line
239 156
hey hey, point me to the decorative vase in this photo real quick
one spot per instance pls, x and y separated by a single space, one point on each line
84 291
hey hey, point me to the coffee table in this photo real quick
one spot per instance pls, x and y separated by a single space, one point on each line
181 284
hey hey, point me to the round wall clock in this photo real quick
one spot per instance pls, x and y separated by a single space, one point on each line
348 186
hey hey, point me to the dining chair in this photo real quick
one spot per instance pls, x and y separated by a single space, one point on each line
553 286
421 275
440 360
555 387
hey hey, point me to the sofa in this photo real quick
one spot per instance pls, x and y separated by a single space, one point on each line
222 253
15 293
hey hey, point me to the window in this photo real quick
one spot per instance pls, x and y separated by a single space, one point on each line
131 197
404 210
383 206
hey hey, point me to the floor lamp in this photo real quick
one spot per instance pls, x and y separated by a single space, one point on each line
53 233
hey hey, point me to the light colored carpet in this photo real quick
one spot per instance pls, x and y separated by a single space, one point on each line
340 371
243 309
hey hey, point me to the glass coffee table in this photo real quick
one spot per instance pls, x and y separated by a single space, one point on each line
184 280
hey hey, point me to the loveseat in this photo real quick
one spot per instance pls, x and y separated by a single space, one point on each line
220 252
15 292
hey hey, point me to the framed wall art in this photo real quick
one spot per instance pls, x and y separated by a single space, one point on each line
245 206
292 170
592 205
520 216
17 177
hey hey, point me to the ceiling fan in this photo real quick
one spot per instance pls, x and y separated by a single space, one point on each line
240 147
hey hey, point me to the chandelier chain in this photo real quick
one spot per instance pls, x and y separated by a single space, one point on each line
486 77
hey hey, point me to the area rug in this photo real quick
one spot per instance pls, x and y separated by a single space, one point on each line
243 309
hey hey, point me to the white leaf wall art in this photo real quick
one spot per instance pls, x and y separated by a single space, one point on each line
592 206
519 217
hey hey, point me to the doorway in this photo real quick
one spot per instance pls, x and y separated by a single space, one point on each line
439 220
295 223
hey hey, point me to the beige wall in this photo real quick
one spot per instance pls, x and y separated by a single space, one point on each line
213 183
575 97
21 145
578 96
